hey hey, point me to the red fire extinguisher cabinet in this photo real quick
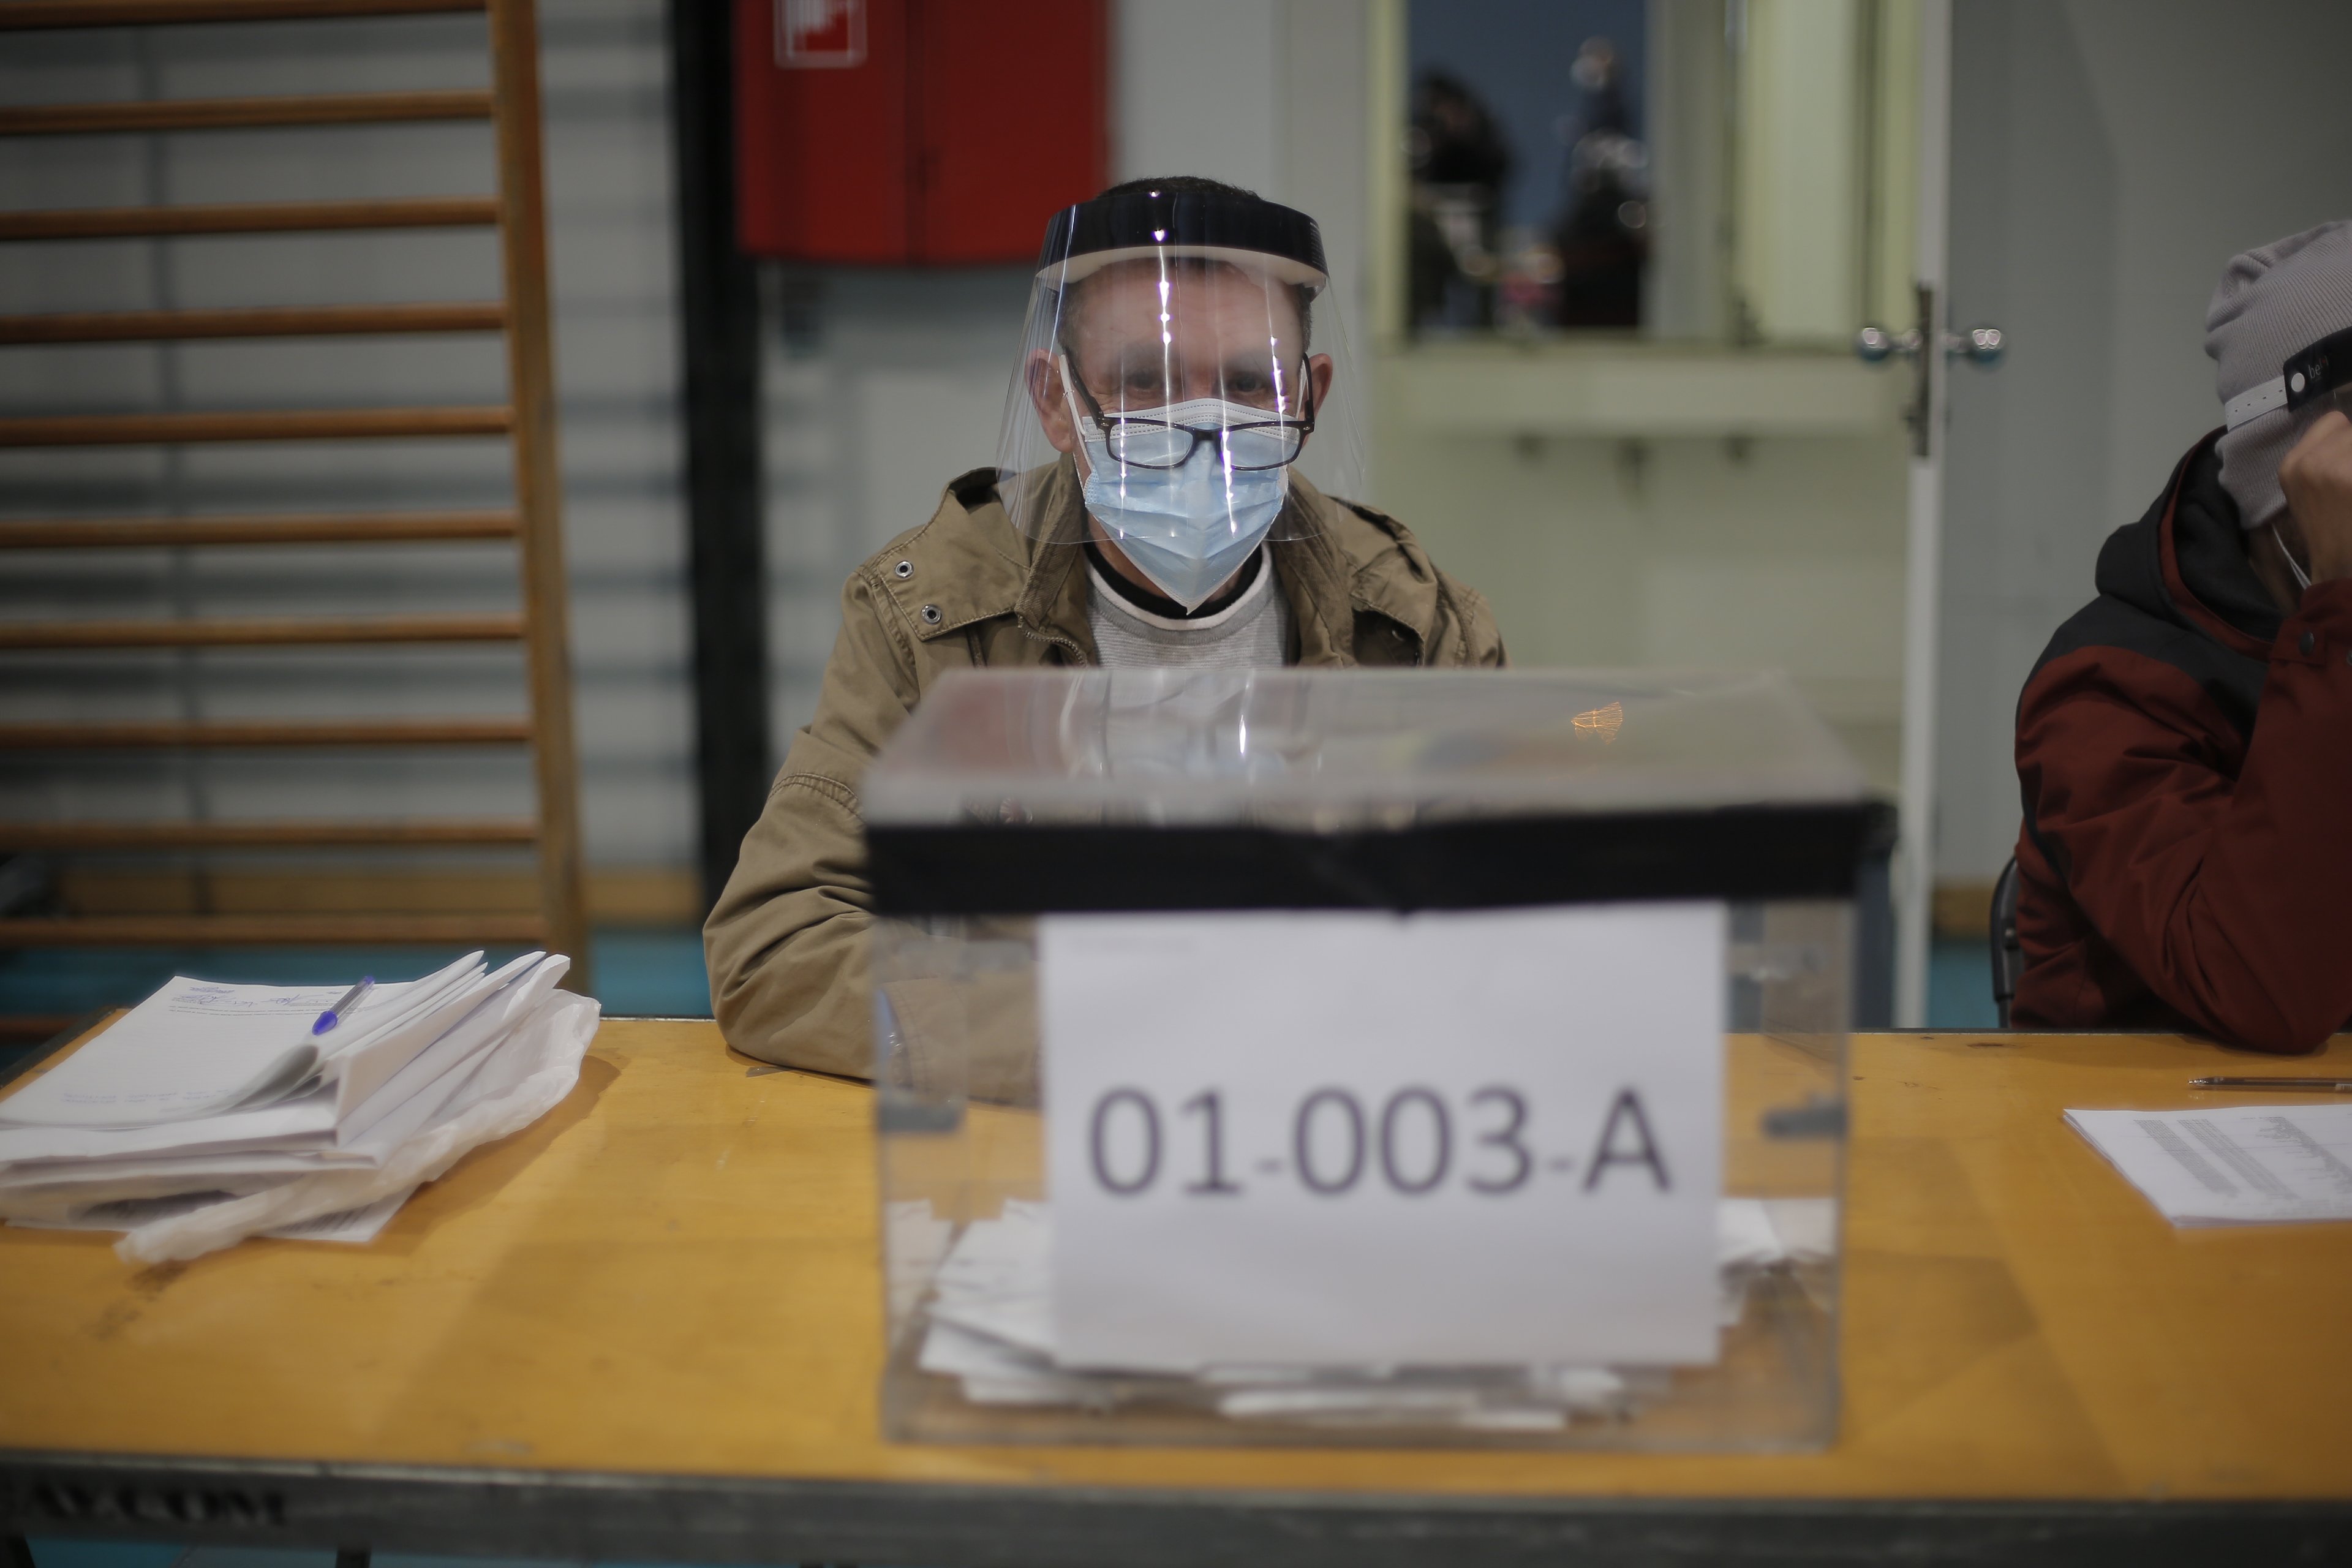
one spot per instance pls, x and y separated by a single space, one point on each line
898 132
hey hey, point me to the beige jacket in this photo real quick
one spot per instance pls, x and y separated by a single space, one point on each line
786 943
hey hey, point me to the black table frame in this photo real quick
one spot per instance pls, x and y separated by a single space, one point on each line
356 1508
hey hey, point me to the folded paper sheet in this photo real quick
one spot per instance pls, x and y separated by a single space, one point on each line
991 1328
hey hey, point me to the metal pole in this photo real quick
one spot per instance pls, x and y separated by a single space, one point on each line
718 319
1914 858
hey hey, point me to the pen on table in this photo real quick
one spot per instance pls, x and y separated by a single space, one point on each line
2325 1085
342 1008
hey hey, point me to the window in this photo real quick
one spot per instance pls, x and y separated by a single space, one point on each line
1714 170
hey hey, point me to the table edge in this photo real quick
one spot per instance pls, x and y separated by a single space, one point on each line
587 1515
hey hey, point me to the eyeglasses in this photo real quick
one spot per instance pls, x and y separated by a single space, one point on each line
1150 439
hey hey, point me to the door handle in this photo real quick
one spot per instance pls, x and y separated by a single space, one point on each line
1981 346
1873 344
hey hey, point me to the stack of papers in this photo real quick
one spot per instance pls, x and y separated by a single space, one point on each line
2239 1164
991 1328
209 1112
357 1225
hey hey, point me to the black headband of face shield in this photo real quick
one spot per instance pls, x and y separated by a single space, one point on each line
2318 371
1231 219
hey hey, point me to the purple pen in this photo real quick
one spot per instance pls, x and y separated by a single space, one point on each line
342 1009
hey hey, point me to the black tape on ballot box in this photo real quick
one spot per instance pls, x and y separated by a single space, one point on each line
1744 853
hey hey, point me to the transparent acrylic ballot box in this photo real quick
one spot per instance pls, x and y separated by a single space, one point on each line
1401 1057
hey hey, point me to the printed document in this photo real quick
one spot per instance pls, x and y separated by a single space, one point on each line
197 1049
2232 1165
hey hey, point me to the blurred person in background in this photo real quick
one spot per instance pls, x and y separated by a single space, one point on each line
1602 235
2185 744
1460 161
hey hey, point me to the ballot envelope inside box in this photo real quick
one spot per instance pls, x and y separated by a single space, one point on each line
1364 1057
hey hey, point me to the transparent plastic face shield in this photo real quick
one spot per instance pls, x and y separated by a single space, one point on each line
1184 382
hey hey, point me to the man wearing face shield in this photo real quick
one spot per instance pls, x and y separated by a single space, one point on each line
1176 435
2185 743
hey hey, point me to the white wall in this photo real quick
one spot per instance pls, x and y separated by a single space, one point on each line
2109 156
897 388
1194 91
1782 554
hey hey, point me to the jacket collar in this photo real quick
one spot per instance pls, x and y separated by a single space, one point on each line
2185 560
1051 599
1317 577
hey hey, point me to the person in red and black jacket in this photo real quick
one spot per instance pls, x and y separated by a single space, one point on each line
2184 744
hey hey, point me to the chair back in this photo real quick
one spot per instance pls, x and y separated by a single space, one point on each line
2007 955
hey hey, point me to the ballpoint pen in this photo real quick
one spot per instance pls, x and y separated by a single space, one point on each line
342 1008
2322 1085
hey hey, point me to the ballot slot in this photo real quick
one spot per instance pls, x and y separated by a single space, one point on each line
1299 1128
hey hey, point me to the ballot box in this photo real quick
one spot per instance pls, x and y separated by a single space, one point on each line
1363 1056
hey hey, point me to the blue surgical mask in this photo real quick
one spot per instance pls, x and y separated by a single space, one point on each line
1189 528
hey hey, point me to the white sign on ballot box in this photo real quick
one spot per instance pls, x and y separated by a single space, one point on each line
1346 1138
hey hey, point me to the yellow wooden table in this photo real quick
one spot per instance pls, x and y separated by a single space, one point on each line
650 1326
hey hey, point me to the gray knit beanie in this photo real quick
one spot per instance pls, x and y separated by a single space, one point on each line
2270 302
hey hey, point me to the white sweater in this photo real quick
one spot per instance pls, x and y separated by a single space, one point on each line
1250 633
